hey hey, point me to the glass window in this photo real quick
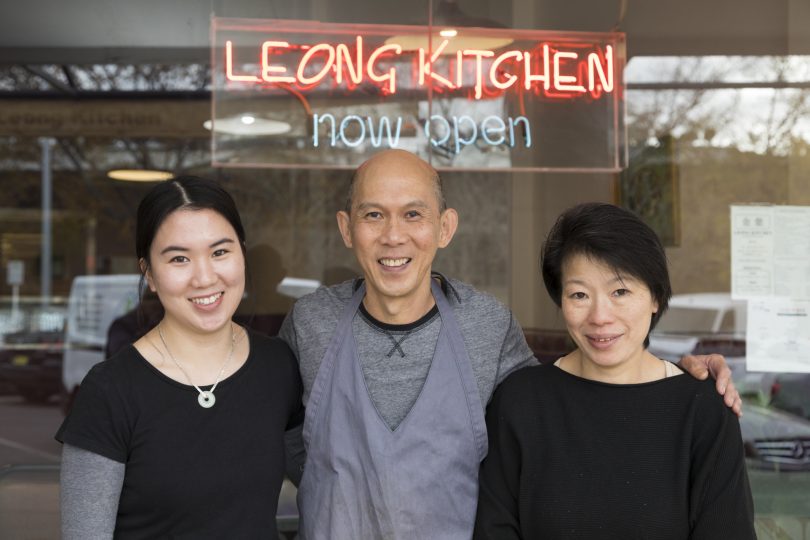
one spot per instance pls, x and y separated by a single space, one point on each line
703 133
735 131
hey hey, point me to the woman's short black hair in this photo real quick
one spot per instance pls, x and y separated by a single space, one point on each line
182 193
611 235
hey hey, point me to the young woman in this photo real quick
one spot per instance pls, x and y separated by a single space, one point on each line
610 441
181 434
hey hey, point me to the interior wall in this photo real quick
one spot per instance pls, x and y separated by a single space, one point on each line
710 181
537 201
538 198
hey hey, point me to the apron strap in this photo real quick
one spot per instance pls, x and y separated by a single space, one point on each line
324 376
464 366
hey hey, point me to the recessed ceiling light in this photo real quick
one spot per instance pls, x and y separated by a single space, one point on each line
448 32
247 124
139 175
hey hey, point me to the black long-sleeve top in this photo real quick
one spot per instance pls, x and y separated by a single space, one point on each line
573 458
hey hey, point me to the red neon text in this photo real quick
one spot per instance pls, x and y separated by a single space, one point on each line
546 69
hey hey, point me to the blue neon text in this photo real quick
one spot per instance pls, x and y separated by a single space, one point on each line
452 133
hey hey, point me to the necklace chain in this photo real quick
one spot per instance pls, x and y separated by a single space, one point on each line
206 398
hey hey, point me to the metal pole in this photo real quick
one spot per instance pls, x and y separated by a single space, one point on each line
90 250
15 305
46 252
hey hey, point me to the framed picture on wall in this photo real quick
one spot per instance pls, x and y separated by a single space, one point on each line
649 187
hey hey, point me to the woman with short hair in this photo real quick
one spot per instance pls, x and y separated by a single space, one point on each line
610 441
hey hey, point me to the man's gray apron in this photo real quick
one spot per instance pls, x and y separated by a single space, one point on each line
362 480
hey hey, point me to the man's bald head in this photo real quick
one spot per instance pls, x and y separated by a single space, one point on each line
391 161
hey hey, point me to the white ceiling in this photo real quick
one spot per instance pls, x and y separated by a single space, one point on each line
92 31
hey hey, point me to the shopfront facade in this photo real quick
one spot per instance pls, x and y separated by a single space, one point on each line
715 112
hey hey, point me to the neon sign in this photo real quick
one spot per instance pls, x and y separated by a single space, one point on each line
459 103
544 69
439 131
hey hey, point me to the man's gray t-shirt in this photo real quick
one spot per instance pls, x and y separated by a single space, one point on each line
396 358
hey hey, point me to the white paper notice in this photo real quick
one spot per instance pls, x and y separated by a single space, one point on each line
778 336
751 251
791 251
770 251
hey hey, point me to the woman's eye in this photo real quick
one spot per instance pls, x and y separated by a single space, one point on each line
179 259
577 296
220 252
621 292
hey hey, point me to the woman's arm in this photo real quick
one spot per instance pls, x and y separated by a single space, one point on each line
701 366
499 479
90 487
721 503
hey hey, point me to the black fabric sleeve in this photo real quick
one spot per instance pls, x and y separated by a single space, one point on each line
294 452
499 479
292 373
97 421
721 505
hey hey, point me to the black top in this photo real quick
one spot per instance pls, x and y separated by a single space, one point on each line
190 471
573 458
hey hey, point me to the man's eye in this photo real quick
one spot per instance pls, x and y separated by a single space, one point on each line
373 215
412 214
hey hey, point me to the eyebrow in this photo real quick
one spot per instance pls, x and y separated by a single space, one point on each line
418 203
185 249
620 279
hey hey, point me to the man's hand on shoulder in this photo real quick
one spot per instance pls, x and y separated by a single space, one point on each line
701 366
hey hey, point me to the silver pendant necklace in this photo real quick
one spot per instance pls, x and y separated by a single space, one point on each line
206 398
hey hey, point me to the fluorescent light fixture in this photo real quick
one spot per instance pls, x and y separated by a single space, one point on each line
449 33
247 124
139 175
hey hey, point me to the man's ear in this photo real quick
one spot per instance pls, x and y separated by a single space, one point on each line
344 224
147 274
449 224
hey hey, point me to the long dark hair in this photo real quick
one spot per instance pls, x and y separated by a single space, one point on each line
181 193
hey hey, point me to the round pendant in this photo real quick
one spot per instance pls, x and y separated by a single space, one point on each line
206 399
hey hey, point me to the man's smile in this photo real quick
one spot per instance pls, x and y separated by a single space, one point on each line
393 263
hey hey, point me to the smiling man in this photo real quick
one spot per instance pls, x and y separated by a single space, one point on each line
397 369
